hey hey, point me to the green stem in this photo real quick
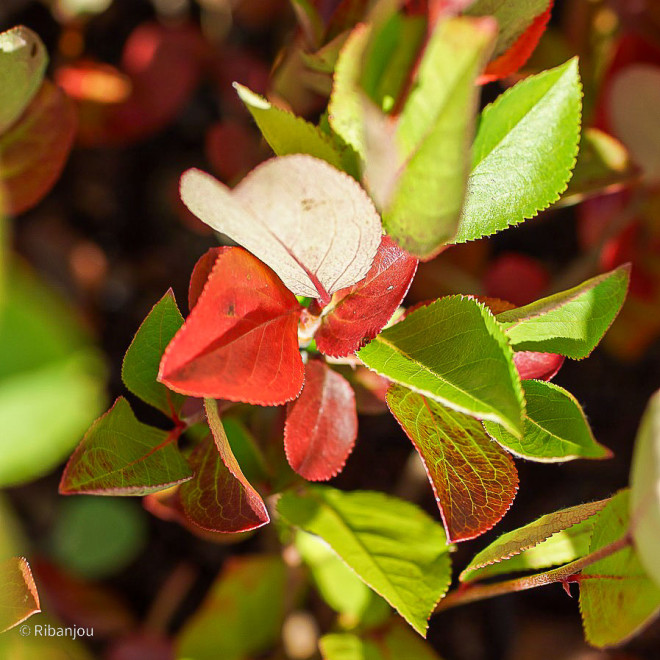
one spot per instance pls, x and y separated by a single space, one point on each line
468 593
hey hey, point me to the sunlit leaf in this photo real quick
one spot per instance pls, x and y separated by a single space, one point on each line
357 314
140 368
452 351
473 479
572 322
121 456
555 427
19 599
520 541
524 152
393 546
617 596
240 340
318 231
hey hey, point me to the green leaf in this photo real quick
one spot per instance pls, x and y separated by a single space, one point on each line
474 480
645 489
142 360
433 135
339 586
393 546
23 61
309 20
121 456
547 535
525 149
513 18
396 641
242 614
572 322
454 352
96 537
617 597
555 428
286 133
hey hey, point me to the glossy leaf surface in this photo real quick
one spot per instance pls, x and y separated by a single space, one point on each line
321 424
452 351
240 340
19 599
555 427
393 546
360 312
524 152
473 479
541 366
121 456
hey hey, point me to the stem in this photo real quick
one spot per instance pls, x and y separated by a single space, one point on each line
468 593
169 597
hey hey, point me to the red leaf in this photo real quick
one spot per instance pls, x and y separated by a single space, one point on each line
510 61
361 311
321 425
142 646
201 273
539 366
219 498
240 341
516 278
473 478
232 149
33 152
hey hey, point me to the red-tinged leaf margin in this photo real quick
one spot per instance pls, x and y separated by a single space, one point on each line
491 454
33 151
222 350
201 273
359 312
321 424
210 485
19 599
514 58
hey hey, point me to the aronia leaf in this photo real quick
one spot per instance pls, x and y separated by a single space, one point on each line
541 366
473 479
240 341
312 224
201 273
19 599
121 456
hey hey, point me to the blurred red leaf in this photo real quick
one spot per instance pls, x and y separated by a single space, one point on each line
19 599
321 424
370 391
361 311
539 366
142 646
516 278
34 150
474 480
232 149
240 341
514 58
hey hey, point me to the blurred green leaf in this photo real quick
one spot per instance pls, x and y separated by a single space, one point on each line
97 536
392 545
452 351
525 149
571 322
555 427
142 360
242 614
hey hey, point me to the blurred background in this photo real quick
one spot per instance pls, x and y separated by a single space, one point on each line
149 89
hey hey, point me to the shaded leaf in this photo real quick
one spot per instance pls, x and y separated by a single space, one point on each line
201 273
517 542
617 598
34 150
321 424
392 545
541 366
219 498
121 456
19 599
357 314
572 322
555 427
140 367
23 61
286 133
524 151
318 231
452 351
240 341
248 598
473 479
645 489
